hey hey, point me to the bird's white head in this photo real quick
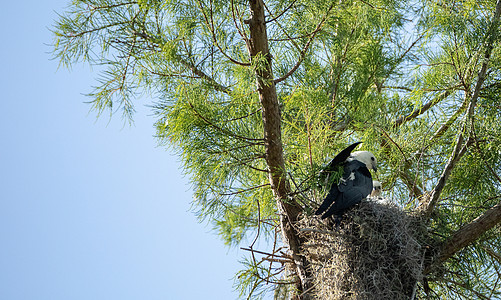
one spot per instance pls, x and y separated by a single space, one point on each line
365 157
377 188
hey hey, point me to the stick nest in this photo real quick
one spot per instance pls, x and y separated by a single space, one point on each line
374 254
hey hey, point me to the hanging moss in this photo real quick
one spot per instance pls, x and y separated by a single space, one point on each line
375 253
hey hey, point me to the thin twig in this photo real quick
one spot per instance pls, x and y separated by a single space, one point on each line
266 253
210 25
422 109
219 128
240 31
245 190
323 232
283 12
306 47
445 126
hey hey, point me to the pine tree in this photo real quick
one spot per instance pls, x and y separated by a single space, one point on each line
257 97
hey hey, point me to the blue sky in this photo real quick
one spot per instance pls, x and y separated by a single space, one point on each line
90 209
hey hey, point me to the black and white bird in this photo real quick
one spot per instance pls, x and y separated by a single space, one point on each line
376 196
354 185
377 188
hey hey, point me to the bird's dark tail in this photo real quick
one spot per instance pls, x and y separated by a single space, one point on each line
334 208
323 207
331 197
337 220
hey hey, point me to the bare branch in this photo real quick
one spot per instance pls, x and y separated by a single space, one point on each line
266 253
276 260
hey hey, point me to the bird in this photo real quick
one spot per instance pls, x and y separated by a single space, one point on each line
354 185
377 188
375 196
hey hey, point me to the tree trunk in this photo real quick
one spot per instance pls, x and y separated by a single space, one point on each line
288 208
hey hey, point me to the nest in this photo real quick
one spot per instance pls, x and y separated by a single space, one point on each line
374 254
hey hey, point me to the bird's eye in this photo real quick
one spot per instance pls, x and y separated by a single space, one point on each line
372 158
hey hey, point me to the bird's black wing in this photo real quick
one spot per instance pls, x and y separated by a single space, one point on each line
341 157
352 190
335 163
324 177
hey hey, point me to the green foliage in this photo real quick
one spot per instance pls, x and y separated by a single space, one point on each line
345 71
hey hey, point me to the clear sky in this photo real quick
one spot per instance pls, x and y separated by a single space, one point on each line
90 209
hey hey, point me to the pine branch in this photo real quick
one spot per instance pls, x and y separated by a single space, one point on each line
467 235
466 287
198 72
282 13
493 254
440 131
337 71
269 222
191 66
306 47
400 60
245 190
407 178
107 7
222 129
422 109
96 29
209 21
411 182
394 87
429 203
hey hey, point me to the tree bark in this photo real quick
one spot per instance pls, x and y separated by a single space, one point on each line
471 232
467 235
288 208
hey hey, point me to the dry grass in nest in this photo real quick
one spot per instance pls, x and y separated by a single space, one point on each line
373 254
